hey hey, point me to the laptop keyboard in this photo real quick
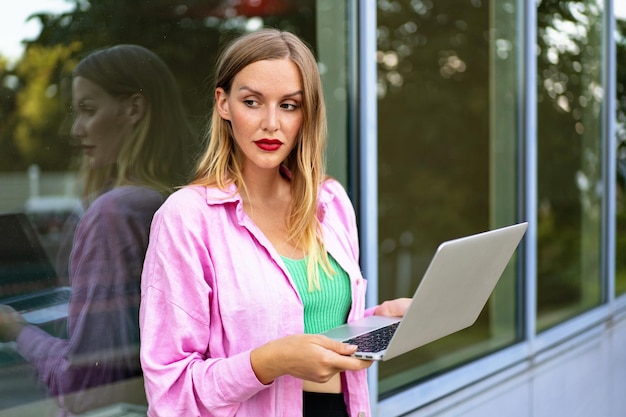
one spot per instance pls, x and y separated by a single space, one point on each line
119 410
43 300
376 340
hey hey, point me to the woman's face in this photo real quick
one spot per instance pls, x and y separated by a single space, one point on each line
264 107
101 123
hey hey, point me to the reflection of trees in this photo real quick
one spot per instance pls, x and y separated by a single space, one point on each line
433 124
621 96
620 259
433 86
433 148
186 34
32 109
40 108
570 94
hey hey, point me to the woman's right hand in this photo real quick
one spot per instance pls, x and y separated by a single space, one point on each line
310 357
11 323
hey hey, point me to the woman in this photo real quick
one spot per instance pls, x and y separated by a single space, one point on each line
257 255
131 124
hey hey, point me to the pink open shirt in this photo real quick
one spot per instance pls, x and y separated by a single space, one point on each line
213 289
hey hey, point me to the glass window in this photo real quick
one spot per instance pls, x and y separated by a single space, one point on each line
447 152
569 137
40 165
620 128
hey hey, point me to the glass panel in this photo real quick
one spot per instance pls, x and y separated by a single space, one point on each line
447 152
620 129
570 94
332 36
39 166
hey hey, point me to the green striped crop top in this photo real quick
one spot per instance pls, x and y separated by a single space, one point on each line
327 307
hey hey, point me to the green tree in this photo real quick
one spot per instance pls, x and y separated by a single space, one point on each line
39 127
187 34
433 119
10 158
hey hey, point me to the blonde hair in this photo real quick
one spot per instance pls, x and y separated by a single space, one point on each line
221 163
158 153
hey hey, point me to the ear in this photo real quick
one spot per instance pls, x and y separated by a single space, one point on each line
221 103
137 106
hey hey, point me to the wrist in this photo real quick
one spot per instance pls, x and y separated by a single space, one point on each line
12 331
263 365
17 329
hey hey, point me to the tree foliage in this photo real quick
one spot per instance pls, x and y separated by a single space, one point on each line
186 34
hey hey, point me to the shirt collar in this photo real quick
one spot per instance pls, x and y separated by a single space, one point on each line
217 196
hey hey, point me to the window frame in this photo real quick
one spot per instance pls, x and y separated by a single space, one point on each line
496 368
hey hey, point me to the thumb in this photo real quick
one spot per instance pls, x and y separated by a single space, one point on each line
347 349
340 348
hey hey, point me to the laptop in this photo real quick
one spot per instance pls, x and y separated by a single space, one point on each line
453 292
28 280
118 410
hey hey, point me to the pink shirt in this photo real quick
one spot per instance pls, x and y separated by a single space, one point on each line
102 347
214 289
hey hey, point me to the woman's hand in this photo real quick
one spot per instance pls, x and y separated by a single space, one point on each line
11 324
310 357
393 308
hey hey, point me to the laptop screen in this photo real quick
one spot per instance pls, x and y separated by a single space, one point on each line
24 264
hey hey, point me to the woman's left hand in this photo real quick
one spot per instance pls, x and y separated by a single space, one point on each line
393 308
11 323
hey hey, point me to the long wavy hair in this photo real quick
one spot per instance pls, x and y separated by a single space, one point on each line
159 153
222 162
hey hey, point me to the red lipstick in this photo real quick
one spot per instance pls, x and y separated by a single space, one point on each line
269 145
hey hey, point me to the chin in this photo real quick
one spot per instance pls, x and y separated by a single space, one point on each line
95 163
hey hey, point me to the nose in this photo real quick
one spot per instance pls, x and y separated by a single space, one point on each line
77 130
270 120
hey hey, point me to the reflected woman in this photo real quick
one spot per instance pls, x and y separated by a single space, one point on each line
138 147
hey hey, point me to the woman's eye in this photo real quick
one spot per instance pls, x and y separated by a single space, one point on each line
84 110
249 102
289 106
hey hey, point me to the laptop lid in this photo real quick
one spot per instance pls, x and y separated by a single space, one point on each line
451 295
24 264
28 280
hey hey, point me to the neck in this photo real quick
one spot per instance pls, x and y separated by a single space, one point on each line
264 186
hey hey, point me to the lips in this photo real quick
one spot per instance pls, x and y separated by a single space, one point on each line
269 145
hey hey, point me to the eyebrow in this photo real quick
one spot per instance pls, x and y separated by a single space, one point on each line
253 91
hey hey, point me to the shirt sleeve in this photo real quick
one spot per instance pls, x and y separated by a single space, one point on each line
178 323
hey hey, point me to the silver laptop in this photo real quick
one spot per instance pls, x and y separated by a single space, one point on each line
28 280
118 410
450 297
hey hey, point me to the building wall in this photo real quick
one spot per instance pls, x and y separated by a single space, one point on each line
583 377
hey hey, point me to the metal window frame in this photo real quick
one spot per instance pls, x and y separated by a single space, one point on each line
518 358
368 163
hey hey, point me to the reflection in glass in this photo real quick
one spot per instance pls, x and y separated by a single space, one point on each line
132 128
447 76
37 159
620 235
570 94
